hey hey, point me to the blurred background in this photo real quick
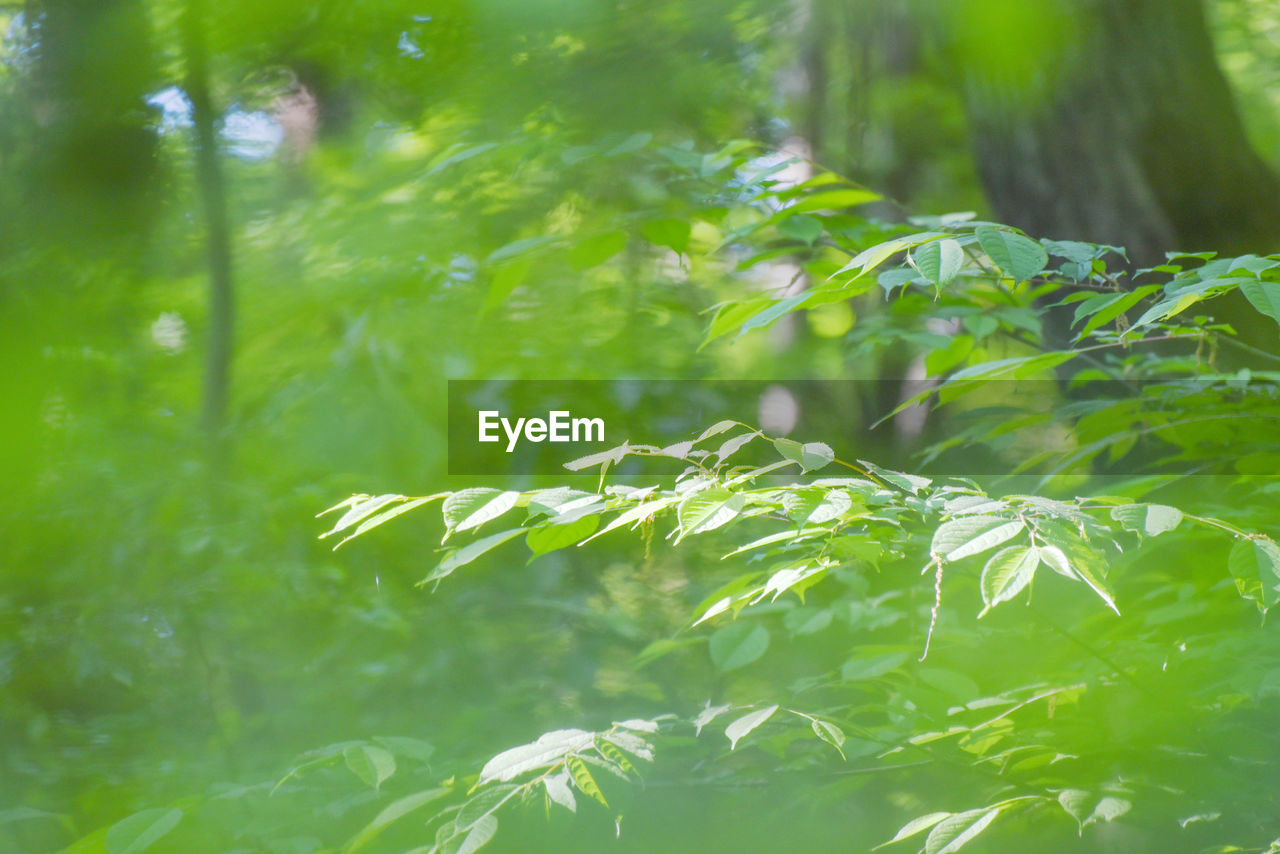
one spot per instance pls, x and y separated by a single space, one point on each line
244 245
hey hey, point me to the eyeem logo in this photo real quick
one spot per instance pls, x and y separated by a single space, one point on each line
558 426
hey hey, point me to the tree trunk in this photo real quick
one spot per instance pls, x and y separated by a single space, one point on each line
1110 121
213 196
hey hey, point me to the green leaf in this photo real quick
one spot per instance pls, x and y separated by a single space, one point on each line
468 553
806 229
830 733
732 446
669 232
1167 308
471 508
816 506
516 248
731 316
141 830
767 540
506 278
611 456
919 824
479 835
360 507
1103 308
706 511
584 781
597 249
1255 564
835 200
807 621
371 764
1086 574
1150 519
550 748
557 786
394 811
737 645
550 537
869 259
482 803
943 360
414 748
773 312
953 832
1016 368
906 482
1007 573
1264 296
737 730
939 260
1019 256
636 514
385 516
971 535
811 456
873 666
1056 559
716 429
1088 808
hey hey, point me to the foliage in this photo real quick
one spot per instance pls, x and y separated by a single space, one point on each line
488 193
1056 739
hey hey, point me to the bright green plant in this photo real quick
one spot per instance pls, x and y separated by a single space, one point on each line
1134 687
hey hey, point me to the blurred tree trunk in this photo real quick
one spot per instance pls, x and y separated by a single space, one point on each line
218 348
1110 121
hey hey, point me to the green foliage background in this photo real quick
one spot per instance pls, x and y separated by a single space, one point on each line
568 190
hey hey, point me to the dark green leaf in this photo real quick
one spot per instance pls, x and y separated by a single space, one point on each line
1019 256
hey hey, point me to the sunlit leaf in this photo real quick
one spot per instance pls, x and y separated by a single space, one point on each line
479 835
1007 573
549 748
955 831
737 730
636 514
708 510
972 535
917 825
471 508
470 552
557 786
708 714
1255 564
811 456
584 781
1089 808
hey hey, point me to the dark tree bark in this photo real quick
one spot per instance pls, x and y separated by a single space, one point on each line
1114 124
